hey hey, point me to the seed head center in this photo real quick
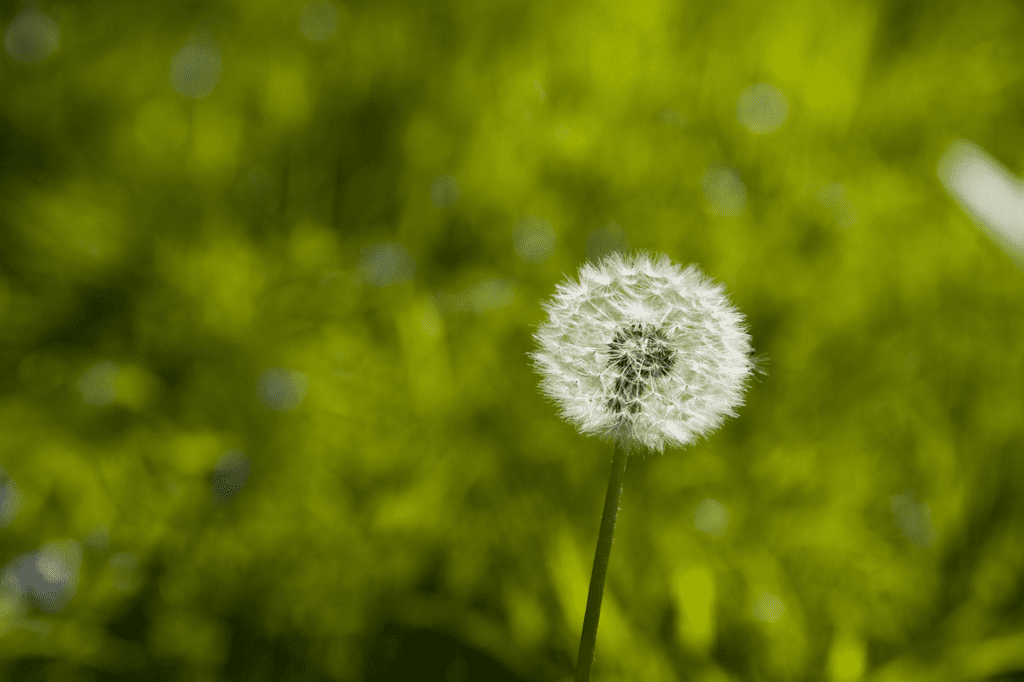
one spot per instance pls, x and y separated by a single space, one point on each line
639 352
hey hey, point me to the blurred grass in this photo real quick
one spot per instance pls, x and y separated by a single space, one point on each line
413 503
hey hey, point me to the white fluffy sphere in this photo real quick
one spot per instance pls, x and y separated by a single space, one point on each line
643 349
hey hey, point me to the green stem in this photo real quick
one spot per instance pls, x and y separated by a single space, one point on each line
604 550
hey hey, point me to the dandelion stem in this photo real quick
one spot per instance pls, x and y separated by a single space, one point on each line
604 550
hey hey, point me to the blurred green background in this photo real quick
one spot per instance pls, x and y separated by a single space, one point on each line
268 277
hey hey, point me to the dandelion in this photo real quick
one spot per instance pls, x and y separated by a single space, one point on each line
643 346
646 353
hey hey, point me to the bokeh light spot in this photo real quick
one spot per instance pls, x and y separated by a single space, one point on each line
10 499
386 263
124 568
724 191
711 517
31 37
445 191
98 538
914 519
762 108
430 320
49 575
98 385
11 609
281 389
195 70
534 239
260 182
673 118
768 608
51 568
607 239
490 294
318 21
230 475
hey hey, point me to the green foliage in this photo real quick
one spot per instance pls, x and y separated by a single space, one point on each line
319 235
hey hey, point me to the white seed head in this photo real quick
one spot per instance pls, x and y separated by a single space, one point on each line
641 349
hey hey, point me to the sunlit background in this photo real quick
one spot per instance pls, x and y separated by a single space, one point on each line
269 272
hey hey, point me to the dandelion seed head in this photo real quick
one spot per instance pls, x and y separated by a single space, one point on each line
641 347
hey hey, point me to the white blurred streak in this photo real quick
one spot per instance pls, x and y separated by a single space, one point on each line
988 192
